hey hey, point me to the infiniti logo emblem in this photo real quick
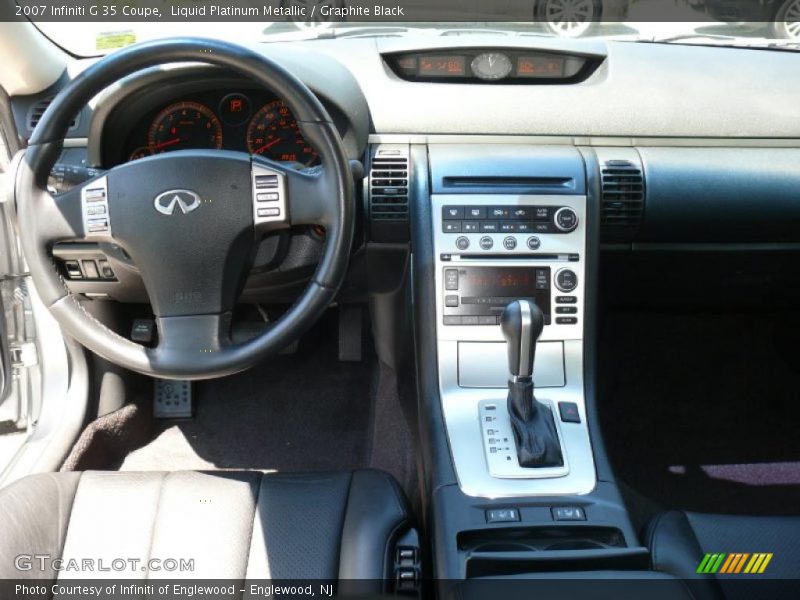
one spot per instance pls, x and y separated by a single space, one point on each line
186 200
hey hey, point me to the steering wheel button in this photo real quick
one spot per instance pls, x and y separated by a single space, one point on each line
266 181
269 212
100 209
96 225
268 197
95 195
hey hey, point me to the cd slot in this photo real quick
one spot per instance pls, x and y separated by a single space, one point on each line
516 257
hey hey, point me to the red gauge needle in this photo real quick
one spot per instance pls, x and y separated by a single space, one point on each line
168 143
267 146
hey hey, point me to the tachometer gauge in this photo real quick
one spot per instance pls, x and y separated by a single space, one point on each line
491 65
185 125
274 134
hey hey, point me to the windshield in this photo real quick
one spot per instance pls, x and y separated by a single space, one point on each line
750 23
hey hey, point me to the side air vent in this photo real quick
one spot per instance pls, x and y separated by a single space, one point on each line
622 189
37 110
388 192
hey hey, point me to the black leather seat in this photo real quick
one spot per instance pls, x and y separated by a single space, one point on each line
679 541
233 525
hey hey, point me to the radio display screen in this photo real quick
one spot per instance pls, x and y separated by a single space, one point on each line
485 291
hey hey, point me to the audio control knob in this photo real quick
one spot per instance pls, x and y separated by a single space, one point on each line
566 280
566 219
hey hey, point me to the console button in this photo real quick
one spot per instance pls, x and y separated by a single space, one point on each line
541 227
454 320
568 513
486 243
470 227
510 243
569 412
566 310
566 280
542 280
451 301
508 227
489 227
452 213
475 212
90 269
451 226
105 270
73 269
451 279
566 299
462 243
524 227
534 243
541 213
488 320
566 219
502 515
566 320
469 320
520 213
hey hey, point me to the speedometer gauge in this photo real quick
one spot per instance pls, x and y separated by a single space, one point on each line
273 133
184 125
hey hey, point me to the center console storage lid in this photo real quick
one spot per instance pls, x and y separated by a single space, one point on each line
506 169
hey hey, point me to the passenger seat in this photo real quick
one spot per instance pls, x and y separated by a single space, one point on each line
679 542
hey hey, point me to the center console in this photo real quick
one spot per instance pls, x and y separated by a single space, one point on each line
499 238
504 244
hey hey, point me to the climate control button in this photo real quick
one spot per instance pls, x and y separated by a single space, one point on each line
566 219
566 280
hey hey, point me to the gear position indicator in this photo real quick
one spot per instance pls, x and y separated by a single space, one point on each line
501 450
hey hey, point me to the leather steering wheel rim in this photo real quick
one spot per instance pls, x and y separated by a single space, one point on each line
192 346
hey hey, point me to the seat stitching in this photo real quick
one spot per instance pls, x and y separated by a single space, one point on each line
344 520
155 520
652 535
253 524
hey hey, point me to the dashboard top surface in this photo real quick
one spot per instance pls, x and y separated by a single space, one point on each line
638 90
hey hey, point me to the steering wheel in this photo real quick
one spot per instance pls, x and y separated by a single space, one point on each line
191 220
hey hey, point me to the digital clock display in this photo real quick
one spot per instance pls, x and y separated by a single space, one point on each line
442 66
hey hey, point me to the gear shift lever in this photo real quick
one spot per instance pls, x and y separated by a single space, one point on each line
533 424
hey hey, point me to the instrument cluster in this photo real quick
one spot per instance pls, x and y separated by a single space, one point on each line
253 122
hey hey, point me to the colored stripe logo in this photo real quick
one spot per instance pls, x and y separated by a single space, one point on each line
735 563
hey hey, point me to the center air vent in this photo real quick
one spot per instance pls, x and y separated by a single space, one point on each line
388 192
622 188
37 110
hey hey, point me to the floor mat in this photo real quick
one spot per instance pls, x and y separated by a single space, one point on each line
300 412
700 411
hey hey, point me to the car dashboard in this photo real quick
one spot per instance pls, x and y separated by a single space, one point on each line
621 174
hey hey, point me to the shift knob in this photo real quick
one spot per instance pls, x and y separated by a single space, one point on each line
522 323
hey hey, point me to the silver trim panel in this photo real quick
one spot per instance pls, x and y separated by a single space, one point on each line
499 448
460 404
